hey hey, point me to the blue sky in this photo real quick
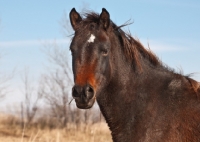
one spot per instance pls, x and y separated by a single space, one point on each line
171 28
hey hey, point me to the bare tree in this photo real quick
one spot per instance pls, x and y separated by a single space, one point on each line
4 86
32 96
5 79
57 83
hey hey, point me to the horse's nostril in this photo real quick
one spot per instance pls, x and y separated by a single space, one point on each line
89 92
89 89
76 91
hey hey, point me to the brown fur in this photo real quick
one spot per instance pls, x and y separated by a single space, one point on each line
141 99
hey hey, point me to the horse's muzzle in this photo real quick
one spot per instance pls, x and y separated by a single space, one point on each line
84 96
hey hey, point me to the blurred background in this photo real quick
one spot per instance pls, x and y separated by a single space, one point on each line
35 61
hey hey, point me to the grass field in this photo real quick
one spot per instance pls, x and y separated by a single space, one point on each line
98 132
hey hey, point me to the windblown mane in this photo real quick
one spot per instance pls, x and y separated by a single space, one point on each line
130 46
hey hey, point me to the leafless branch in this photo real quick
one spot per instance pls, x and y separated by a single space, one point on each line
30 102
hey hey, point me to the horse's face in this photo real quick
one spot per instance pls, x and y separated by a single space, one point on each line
90 49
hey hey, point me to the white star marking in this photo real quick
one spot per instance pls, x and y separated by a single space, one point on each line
91 39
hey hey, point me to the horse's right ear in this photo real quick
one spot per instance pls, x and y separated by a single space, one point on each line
105 18
75 18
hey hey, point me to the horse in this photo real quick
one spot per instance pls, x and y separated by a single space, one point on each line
141 98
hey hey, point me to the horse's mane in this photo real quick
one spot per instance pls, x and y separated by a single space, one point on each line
130 45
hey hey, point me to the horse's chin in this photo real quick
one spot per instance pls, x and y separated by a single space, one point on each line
85 105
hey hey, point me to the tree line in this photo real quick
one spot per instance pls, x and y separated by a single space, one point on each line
54 91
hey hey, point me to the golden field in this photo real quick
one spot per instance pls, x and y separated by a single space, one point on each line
11 131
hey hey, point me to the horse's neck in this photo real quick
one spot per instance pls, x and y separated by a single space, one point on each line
119 107
137 105
126 96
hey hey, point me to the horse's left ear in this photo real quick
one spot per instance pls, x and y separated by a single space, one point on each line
105 19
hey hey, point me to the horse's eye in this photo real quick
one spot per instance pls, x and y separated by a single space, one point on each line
104 52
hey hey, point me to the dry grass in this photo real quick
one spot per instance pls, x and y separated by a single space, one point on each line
14 133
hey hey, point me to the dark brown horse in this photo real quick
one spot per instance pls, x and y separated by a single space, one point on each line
141 99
